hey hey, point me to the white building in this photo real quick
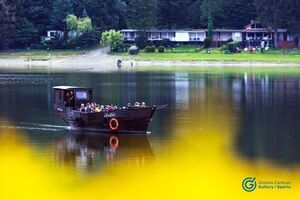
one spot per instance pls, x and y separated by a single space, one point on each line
251 35
184 35
51 34
196 35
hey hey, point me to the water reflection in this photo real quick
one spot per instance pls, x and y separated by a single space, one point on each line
217 130
89 152
266 106
270 114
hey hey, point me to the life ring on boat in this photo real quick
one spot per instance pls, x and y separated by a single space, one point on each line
113 124
114 142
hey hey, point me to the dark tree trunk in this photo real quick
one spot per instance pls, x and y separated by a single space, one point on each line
276 38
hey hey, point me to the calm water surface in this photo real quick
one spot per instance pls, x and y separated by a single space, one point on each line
257 115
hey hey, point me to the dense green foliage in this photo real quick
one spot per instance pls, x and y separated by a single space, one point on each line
114 39
23 22
7 23
161 49
150 49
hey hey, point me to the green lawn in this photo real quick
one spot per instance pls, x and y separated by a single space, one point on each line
39 54
217 55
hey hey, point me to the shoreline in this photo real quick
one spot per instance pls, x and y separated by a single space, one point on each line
110 62
100 60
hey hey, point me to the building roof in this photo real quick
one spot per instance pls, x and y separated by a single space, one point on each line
248 30
161 31
265 30
228 30
191 30
69 87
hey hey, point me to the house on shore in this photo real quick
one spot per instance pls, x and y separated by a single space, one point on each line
251 35
52 34
255 32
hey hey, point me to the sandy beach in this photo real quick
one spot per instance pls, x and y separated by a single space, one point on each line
100 60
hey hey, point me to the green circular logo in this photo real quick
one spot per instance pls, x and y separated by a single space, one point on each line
249 184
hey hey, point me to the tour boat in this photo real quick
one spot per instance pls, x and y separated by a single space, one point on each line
68 101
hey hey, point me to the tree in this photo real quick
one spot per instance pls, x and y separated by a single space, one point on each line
7 23
60 10
37 13
141 14
26 32
272 14
113 38
80 25
212 12
105 14
84 25
237 13
207 10
72 22
173 13
210 28
292 18
193 16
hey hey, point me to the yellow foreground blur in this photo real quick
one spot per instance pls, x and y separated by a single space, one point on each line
200 165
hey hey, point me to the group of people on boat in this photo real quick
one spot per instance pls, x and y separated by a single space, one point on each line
94 107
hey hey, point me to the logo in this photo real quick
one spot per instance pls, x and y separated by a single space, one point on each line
249 184
108 115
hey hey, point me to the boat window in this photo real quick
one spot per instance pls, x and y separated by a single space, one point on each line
58 95
82 95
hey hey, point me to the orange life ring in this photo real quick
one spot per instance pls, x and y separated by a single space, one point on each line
114 124
114 142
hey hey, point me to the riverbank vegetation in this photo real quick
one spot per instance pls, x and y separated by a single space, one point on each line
190 53
24 23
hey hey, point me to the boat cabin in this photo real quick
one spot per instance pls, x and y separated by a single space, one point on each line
69 97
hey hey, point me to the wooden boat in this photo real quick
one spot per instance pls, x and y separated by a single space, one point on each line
129 119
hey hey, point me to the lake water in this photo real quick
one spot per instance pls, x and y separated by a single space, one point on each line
216 125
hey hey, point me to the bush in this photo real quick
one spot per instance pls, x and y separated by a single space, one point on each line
167 43
149 49
37 46
56 43
88 39
113 38
161 49
229 40
207 42
142 40
121 48
231 47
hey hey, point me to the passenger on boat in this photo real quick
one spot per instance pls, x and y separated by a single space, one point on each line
137 104
88 108
82 108
69 99
143 104
97 109
93 106
109 108
129 105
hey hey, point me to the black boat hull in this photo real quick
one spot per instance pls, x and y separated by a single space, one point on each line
130 120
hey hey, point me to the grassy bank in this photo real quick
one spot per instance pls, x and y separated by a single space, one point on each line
189 54
39 55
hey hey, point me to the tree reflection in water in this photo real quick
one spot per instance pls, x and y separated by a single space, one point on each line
270 116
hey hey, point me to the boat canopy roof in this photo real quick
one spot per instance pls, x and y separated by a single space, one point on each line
70 88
